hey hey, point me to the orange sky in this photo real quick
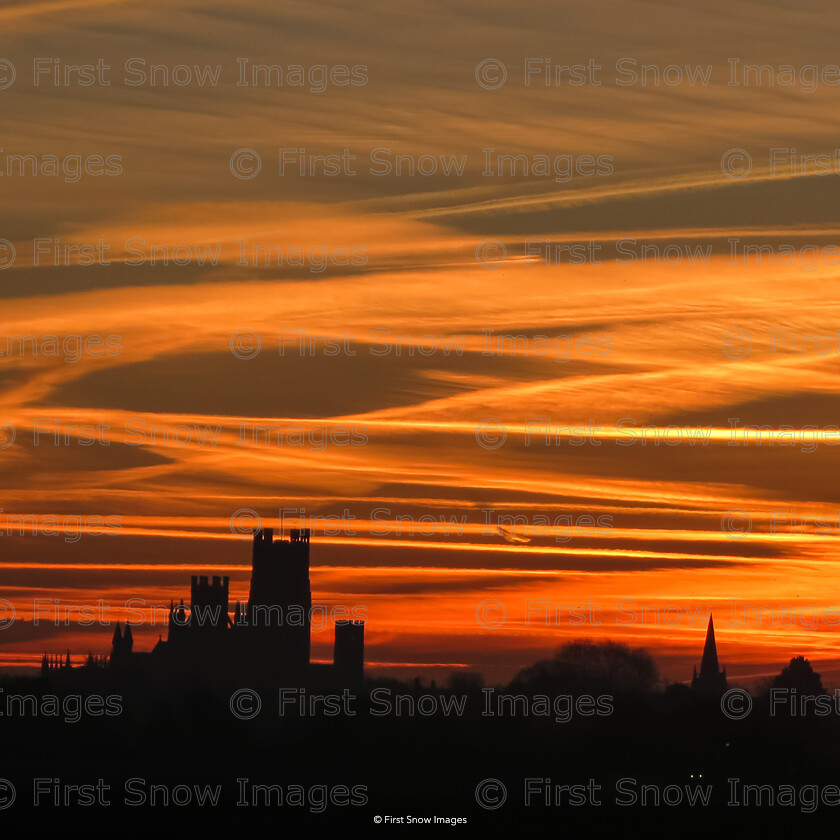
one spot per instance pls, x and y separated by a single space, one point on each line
158 433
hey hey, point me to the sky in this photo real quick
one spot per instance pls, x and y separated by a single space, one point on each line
485 295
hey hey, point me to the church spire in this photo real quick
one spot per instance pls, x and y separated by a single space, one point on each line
709 664
710 680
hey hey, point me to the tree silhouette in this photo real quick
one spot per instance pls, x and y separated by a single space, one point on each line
465 682
591 666
801 676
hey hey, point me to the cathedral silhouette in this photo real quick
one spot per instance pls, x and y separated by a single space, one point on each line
267 639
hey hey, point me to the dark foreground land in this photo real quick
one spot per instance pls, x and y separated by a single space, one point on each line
476 760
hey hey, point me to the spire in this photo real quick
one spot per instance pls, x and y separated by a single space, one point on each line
117 638
709 664
711 681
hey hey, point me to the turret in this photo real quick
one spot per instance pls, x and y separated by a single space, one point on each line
209 604
349 652
279 608
121 645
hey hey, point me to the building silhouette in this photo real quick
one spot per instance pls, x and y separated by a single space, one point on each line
711 681
266 639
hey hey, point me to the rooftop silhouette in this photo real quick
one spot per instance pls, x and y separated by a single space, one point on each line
266 639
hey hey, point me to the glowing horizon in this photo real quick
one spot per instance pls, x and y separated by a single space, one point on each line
471 382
